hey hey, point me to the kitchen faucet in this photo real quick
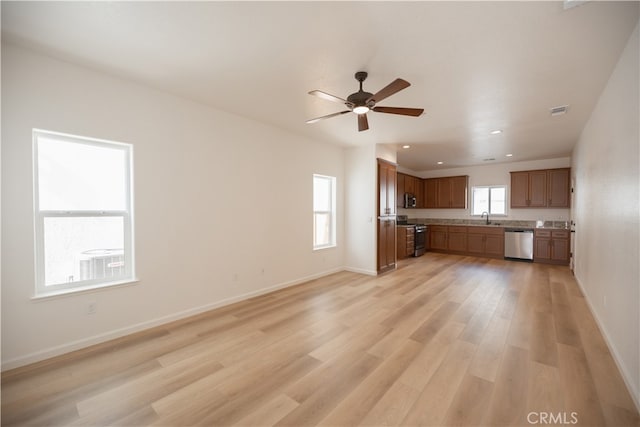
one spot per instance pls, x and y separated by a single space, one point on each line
483 214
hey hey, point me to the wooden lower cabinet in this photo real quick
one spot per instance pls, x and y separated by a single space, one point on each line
475 243
405 241
551 246
386 216
457 239
386 245
486 241
494 244
468 240
438 237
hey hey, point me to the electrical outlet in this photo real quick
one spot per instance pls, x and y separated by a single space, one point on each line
91 308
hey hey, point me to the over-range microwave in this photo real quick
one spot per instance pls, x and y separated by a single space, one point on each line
409 200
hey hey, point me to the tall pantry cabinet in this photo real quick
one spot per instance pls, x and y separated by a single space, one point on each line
386 216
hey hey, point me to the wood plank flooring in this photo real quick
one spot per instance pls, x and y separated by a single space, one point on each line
445 340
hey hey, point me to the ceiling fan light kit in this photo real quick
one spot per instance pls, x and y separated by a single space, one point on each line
362 102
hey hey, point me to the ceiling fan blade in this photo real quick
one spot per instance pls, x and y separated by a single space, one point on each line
328 97
414 112
363 123
317 119
395 86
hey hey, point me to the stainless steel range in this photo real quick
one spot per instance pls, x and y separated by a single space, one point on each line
420 240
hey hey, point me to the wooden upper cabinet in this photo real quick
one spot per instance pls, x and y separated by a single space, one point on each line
447 192
391 190
540 188
559 187
519 189
400 189
430 193
458 192
386 188
412 185
419 193
444 193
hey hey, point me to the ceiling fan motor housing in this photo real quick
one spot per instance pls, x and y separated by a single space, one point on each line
360 97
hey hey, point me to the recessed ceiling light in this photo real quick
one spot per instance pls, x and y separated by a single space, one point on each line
406 146
495 132
440 163
509 155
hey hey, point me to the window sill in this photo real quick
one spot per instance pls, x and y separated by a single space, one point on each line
83 289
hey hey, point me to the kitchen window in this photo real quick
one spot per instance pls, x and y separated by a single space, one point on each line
83 213
324 211
491 199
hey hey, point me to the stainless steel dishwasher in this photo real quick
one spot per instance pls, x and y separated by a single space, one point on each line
518 243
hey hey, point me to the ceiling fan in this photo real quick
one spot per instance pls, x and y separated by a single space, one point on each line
362 102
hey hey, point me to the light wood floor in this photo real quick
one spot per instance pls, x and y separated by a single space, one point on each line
445 340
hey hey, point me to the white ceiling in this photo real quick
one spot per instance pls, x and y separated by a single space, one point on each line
473 66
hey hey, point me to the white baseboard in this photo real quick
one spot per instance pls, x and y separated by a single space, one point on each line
100 338
361 271
626 377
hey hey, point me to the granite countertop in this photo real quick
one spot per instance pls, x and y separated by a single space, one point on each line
552 225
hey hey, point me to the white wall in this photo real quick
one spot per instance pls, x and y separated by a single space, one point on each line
494 174
360 208
361 168
218 199
607 213
386 152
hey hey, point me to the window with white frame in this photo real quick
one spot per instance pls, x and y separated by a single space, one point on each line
83 212
491 199
324 211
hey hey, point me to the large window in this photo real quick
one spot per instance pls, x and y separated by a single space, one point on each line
324 211
83 212
491 199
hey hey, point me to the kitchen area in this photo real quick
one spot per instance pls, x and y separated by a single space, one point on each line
437 214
